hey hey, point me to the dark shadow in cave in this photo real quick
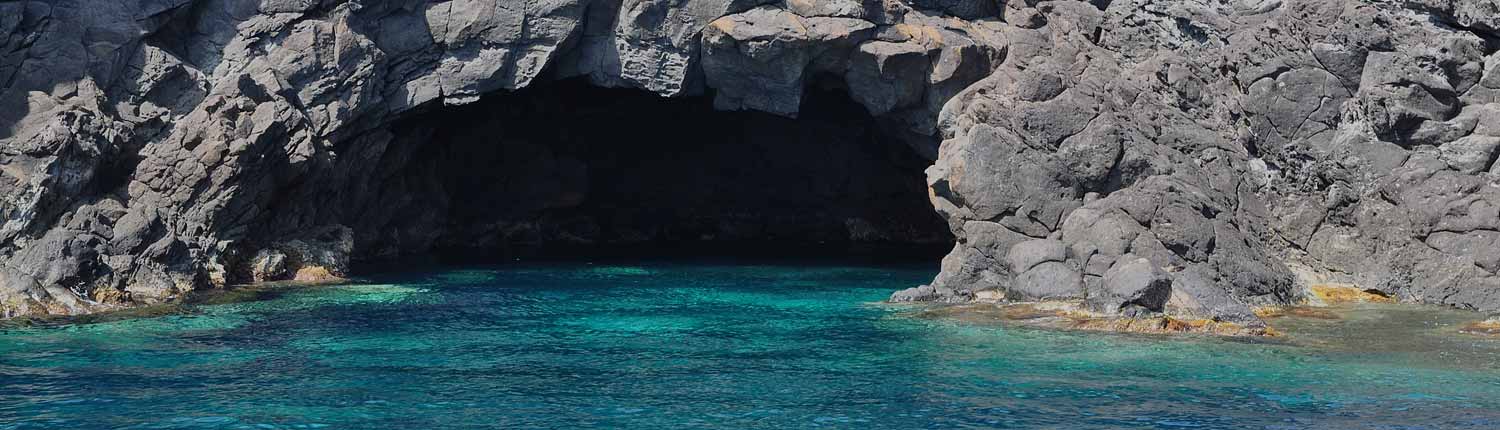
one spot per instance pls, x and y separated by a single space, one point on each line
565 169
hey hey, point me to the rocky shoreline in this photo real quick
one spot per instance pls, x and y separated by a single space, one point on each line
1328 303
1057 315
1201 159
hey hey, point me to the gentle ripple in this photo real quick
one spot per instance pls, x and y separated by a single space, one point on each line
717 346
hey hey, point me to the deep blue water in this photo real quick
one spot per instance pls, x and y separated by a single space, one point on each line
656 346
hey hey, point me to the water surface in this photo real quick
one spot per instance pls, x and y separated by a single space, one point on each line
736 346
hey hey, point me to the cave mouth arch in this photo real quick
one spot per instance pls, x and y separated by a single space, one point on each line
568 169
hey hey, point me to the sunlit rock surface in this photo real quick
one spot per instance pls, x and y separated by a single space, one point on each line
1247 148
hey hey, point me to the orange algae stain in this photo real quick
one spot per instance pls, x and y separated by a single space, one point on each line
1347 293
316 274
1489 327
1271 312
107 295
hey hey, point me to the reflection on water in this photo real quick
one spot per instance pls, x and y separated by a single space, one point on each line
721 346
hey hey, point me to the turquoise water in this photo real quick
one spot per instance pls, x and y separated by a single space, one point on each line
656 346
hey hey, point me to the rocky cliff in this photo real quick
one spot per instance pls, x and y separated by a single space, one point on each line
1198 157
1206 157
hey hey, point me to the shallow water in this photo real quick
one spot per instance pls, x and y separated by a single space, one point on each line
718 346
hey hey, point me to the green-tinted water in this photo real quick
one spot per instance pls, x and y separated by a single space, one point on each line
718 346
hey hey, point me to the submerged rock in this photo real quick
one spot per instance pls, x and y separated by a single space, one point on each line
928 293
923 293
1489 327
1170 325
1075 316
1311 312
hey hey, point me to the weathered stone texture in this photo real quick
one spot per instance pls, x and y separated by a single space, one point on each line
1240 148
1243 148
151 147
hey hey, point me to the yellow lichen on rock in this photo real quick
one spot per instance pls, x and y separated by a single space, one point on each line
922 34
10 307
1177 325
723 25
1267 312
1347 293
108 296
316 274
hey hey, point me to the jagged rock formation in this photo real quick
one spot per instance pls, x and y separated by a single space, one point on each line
1195 157
1248 148
152 147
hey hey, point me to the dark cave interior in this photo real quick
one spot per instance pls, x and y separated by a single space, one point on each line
566 168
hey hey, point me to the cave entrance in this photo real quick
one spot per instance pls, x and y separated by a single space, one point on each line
565 168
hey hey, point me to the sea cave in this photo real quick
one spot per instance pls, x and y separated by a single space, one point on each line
567 168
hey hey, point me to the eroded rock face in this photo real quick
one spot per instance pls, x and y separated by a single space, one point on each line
150 147
1245 149
1226 152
